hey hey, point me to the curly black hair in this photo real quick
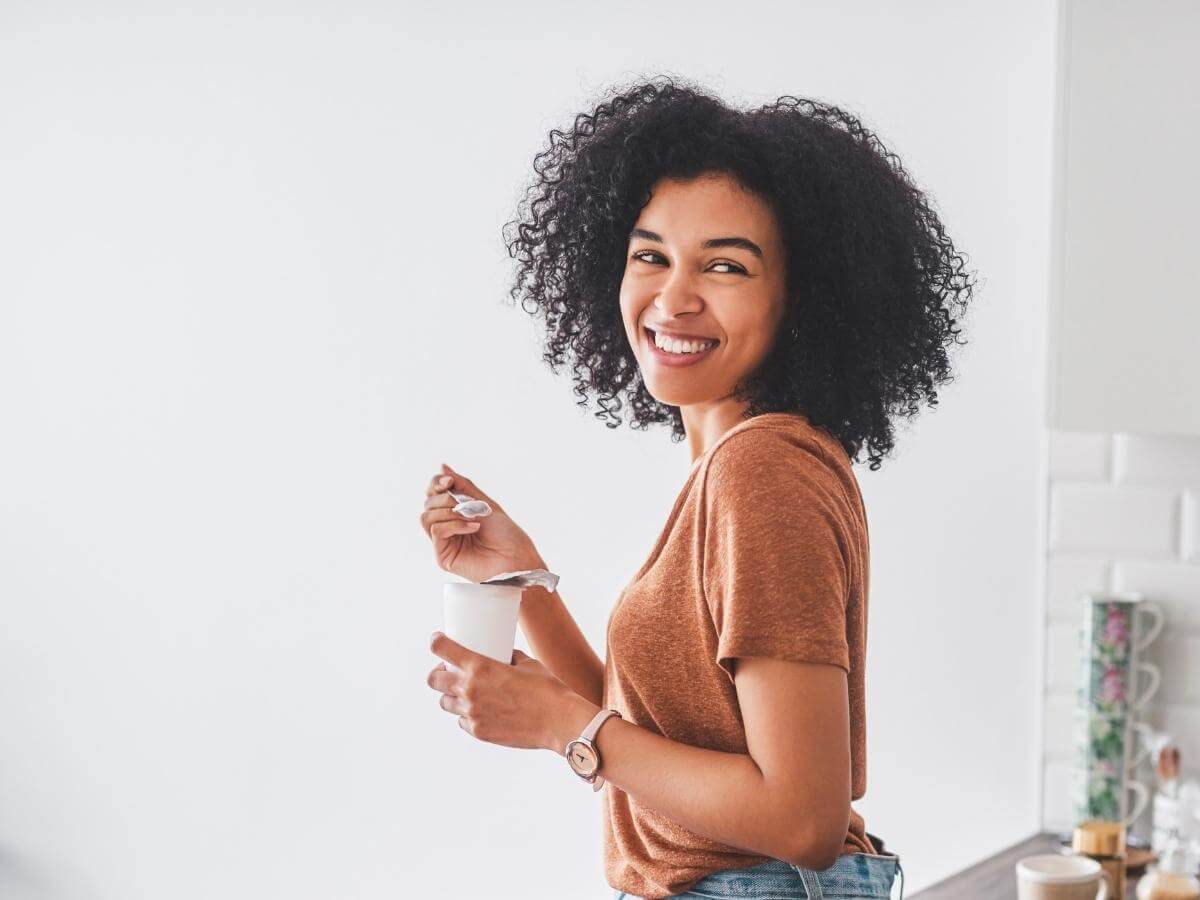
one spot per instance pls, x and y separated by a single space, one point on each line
873 281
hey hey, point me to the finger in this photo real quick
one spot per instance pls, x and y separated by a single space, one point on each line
436 516
465 485
442 514
445 530
438 484
442 679
440 499
454 653
452 704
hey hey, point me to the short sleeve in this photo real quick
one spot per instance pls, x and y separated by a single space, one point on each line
776 562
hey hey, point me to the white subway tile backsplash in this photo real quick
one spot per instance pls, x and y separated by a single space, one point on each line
1057 735
1057 804
1174 586
1063 656
1125 521
1189 537
1068 578
1157 459
1079 456
1124 516
1182 722
1177 656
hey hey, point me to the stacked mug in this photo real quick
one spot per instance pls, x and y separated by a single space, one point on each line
1114 687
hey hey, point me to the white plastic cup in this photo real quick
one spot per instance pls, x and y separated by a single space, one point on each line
482 617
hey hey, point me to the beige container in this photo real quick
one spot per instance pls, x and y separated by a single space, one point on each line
1103 841
1052 876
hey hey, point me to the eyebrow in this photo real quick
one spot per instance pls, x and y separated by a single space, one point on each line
739 242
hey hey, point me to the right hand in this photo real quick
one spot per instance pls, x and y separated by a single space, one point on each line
497 544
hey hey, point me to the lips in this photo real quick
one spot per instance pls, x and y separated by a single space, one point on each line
678 335
666 358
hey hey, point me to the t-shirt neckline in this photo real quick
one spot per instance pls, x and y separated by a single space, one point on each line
743 424
686 487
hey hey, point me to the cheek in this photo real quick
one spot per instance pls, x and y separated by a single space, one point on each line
630 308
750 331
752 337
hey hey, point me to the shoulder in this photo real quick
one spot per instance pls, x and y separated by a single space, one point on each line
780 461
773 446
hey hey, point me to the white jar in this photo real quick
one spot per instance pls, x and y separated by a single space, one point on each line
1173 878
1167 818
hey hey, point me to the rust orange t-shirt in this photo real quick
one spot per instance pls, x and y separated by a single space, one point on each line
765 553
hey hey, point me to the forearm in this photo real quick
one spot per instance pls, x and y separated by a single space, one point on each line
556 641
722 796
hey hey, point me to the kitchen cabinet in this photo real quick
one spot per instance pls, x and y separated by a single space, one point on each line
1124 331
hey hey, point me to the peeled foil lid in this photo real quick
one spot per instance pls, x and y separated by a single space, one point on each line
526 578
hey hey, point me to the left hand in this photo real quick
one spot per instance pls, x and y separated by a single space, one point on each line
514 705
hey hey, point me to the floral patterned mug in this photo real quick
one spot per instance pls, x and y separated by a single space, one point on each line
1112 637
1102 774
1116 628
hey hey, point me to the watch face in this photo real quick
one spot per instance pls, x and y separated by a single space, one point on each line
582 758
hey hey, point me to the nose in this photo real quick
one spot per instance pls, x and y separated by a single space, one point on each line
678 297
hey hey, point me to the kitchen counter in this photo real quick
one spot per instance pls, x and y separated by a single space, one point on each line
995 878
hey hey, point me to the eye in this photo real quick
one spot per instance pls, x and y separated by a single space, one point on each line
735 269
641 255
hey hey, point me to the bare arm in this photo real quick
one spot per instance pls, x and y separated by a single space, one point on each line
556 641
788 798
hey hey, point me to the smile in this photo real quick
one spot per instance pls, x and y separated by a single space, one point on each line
670 358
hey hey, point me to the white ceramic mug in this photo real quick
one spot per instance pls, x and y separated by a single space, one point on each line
1143 735
1155 680
1140 806
1145 636
1055 876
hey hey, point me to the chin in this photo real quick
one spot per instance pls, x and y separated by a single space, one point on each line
676 397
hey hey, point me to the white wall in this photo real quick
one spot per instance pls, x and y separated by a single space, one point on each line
239 247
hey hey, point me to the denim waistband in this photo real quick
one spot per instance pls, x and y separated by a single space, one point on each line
854 875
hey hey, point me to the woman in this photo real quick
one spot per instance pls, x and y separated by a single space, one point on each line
771 285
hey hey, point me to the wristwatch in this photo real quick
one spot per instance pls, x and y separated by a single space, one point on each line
582 754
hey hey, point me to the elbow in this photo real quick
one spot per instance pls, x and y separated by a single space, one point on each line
816 852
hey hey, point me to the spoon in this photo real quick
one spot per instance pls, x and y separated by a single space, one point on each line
470 507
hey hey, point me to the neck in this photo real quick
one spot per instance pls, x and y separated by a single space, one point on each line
706 422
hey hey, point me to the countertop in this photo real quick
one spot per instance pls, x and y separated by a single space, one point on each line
995 878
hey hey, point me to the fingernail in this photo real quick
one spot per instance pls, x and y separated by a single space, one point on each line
445 479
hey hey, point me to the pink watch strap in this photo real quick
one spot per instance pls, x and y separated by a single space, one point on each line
589 735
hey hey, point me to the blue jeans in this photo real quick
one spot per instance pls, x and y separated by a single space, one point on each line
854 875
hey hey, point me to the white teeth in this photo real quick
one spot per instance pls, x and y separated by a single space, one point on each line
672 345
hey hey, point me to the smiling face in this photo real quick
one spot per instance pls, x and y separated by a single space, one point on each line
705 263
